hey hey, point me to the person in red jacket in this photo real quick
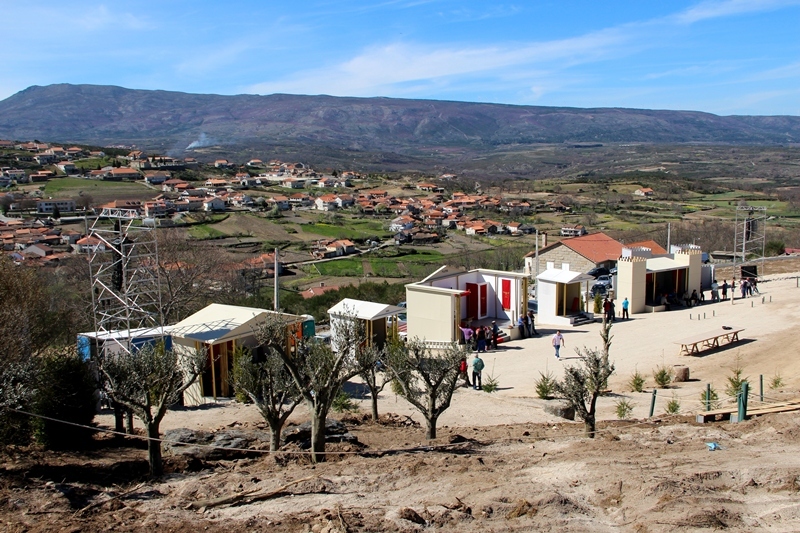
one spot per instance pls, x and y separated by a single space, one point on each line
462 372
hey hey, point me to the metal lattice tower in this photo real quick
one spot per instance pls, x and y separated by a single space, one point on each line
750 236
123 259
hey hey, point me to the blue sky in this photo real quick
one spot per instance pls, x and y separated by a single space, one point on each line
722 56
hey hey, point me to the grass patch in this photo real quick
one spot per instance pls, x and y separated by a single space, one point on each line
204 231
341 268
347 229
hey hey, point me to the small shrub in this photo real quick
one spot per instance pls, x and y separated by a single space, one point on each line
637 382
776 382
714 399
735 380
663 376
598 303
490 384
344 403
624 409
65 392
545 386
674 406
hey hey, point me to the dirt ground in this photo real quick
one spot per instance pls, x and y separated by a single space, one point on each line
501 463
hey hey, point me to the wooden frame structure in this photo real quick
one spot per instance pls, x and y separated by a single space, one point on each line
706 341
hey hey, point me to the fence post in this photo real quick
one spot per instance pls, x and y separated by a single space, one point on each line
742 402
708 396
761 387
653 403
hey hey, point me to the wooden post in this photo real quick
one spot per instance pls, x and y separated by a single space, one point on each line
742 402
708 396
761 387
653 403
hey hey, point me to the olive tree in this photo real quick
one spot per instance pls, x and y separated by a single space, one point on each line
427 377
264 379
319 372
375 378
148 381
582 385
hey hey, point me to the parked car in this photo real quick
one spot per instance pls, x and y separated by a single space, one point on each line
598 271
599 288
533 305
606 280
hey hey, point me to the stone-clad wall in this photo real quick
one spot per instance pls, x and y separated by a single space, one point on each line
562 254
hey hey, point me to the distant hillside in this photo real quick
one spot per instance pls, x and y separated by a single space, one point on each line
172 121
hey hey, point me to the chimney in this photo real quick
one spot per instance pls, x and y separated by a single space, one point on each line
544 238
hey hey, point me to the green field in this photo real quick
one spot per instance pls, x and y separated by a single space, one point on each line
386 263
100 191
347 229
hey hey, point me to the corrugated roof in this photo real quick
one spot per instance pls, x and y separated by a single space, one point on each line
218 321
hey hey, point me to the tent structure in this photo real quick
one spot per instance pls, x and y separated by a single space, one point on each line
559 292
221 329
374 315
451 298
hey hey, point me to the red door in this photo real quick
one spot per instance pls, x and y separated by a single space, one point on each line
483 310
472 300
506 293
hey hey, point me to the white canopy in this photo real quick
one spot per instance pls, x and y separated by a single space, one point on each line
663 264
364 310
558 275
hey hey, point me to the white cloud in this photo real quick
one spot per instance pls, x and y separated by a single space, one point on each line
390 67
726 8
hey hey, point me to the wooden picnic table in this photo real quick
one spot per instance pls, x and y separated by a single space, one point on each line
711 339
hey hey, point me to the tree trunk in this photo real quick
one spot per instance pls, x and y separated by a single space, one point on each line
374 407
154 450
318 436
430 427
119 420
129 422
274 438
589 426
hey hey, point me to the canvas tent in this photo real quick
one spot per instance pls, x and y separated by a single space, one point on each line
220 329
374 316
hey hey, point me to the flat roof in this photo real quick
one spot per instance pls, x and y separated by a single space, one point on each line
663 264
559 275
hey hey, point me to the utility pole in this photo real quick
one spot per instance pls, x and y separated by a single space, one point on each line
669 235
275 302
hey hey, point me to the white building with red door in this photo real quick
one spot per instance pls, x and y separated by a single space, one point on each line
452 298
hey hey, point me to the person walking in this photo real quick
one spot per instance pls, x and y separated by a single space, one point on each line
532 316
462 372
558 342
521 326
724 289
743 288
477 368
714 291
625 305
495 334
754 286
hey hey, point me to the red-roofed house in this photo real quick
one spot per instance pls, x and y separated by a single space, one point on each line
580 253
317 291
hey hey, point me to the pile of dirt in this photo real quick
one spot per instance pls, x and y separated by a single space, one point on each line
654 477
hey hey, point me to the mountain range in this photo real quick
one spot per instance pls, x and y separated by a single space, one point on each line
174 121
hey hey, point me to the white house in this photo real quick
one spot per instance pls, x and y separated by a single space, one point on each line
373 315
213 204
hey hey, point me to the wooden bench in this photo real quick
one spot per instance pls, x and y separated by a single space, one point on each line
712 339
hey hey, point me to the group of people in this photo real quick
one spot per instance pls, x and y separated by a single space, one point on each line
482 338
610 309
526 326
477 369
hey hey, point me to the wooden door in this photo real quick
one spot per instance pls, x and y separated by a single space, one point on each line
472 300
482 291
